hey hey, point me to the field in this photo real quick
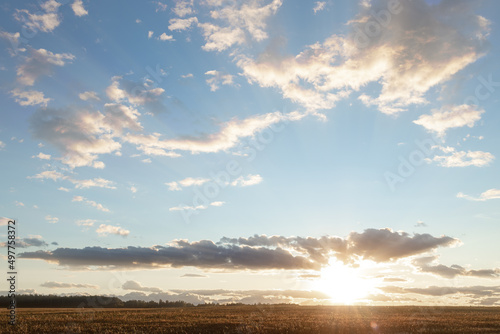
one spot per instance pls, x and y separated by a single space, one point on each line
258 319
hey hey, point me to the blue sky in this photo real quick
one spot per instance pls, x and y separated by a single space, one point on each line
278 150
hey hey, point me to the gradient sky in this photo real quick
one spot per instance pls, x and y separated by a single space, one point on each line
253 151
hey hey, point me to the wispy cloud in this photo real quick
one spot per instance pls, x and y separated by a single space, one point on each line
485 196
96 205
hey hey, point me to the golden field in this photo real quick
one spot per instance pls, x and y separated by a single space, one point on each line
258 319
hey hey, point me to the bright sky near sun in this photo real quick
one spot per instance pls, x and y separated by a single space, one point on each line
253 151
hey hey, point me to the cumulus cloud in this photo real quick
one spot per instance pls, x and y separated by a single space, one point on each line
138 94
96 205
42 156
85 96
136 286
217 78
183 8
450 117
78 8
83 134
165 37
229 136
40 62
60 285
485 196
462 158
259 252
29 97
45 22
182 24
104 230
249 180
187 182
238 19
406 58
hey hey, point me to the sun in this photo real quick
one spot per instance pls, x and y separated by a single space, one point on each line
343 284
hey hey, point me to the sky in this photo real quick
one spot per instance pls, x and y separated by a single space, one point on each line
328 152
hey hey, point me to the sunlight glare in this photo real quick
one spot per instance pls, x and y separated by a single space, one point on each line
343 284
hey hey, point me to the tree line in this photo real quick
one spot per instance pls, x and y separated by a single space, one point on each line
54 301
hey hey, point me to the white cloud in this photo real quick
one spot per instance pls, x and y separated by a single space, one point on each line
45 22
79 184
137 94
85 222
17 203
451 117
182 24
42 156
249 180
217 78
187 182
51 220
150 33
165 37
78 8
49 174
96 205
319 6
50 6
183 8
146 161
138 21
160 6
463 158
238 18
219 39
185 76
85 96
41 62
63 189
104 230
406 59
229 135
13 38
96 182
29 97
485 196
83 134
195 208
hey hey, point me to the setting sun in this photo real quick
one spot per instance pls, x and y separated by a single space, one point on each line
344 284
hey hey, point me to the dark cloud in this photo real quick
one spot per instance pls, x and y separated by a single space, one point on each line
423 265
27 242
437 291
59 285
254 253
